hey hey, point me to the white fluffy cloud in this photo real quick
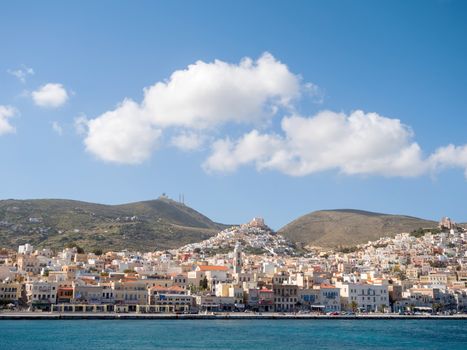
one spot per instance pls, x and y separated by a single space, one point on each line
193 103
355 144
209 94
253 147
50 95
124 135
449 157
203 96
6 112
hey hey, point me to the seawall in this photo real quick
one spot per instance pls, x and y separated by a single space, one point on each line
219 316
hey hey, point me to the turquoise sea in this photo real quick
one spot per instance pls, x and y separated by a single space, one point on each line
233 334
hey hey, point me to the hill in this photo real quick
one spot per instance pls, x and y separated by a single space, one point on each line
148 225
348 227
254 237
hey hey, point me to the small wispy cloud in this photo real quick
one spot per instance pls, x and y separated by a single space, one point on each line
315 92
57 128
188 141
21 73
7 112
81 124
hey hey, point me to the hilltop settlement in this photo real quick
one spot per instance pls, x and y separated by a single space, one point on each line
246 268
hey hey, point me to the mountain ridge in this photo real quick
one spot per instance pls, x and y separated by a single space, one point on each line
166 224
346 227
153 224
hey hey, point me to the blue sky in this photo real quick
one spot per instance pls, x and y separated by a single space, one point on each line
294 142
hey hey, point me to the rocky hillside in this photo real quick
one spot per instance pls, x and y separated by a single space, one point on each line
346 227
148 225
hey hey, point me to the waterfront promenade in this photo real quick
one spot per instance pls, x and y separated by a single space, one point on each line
217 316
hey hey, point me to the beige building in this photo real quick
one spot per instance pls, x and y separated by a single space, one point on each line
130 293
28 263
10 292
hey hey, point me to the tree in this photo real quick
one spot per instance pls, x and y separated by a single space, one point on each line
347 250
399 273
298 305
79 249
437 307
438 264
354 306
192 288
203 284
97 252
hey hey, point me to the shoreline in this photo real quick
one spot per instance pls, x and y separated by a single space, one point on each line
220 316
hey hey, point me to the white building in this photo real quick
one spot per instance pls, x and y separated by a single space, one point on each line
364 296
26 249
41 294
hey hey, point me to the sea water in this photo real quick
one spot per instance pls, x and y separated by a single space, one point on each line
233 334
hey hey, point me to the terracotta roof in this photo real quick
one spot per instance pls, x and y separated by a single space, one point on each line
171 289
174 274
126 279
327 286
130 277
212 268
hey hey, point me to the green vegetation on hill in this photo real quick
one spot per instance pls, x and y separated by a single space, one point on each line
422 231
348 227
148 225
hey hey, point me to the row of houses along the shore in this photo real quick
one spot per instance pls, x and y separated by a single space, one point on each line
405 273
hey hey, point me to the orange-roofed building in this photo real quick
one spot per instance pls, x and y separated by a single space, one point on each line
171 289
261 300
64 294
212 268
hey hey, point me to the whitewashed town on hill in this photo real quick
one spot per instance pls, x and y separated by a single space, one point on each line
247 268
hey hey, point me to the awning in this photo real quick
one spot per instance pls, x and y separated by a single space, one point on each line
423 308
